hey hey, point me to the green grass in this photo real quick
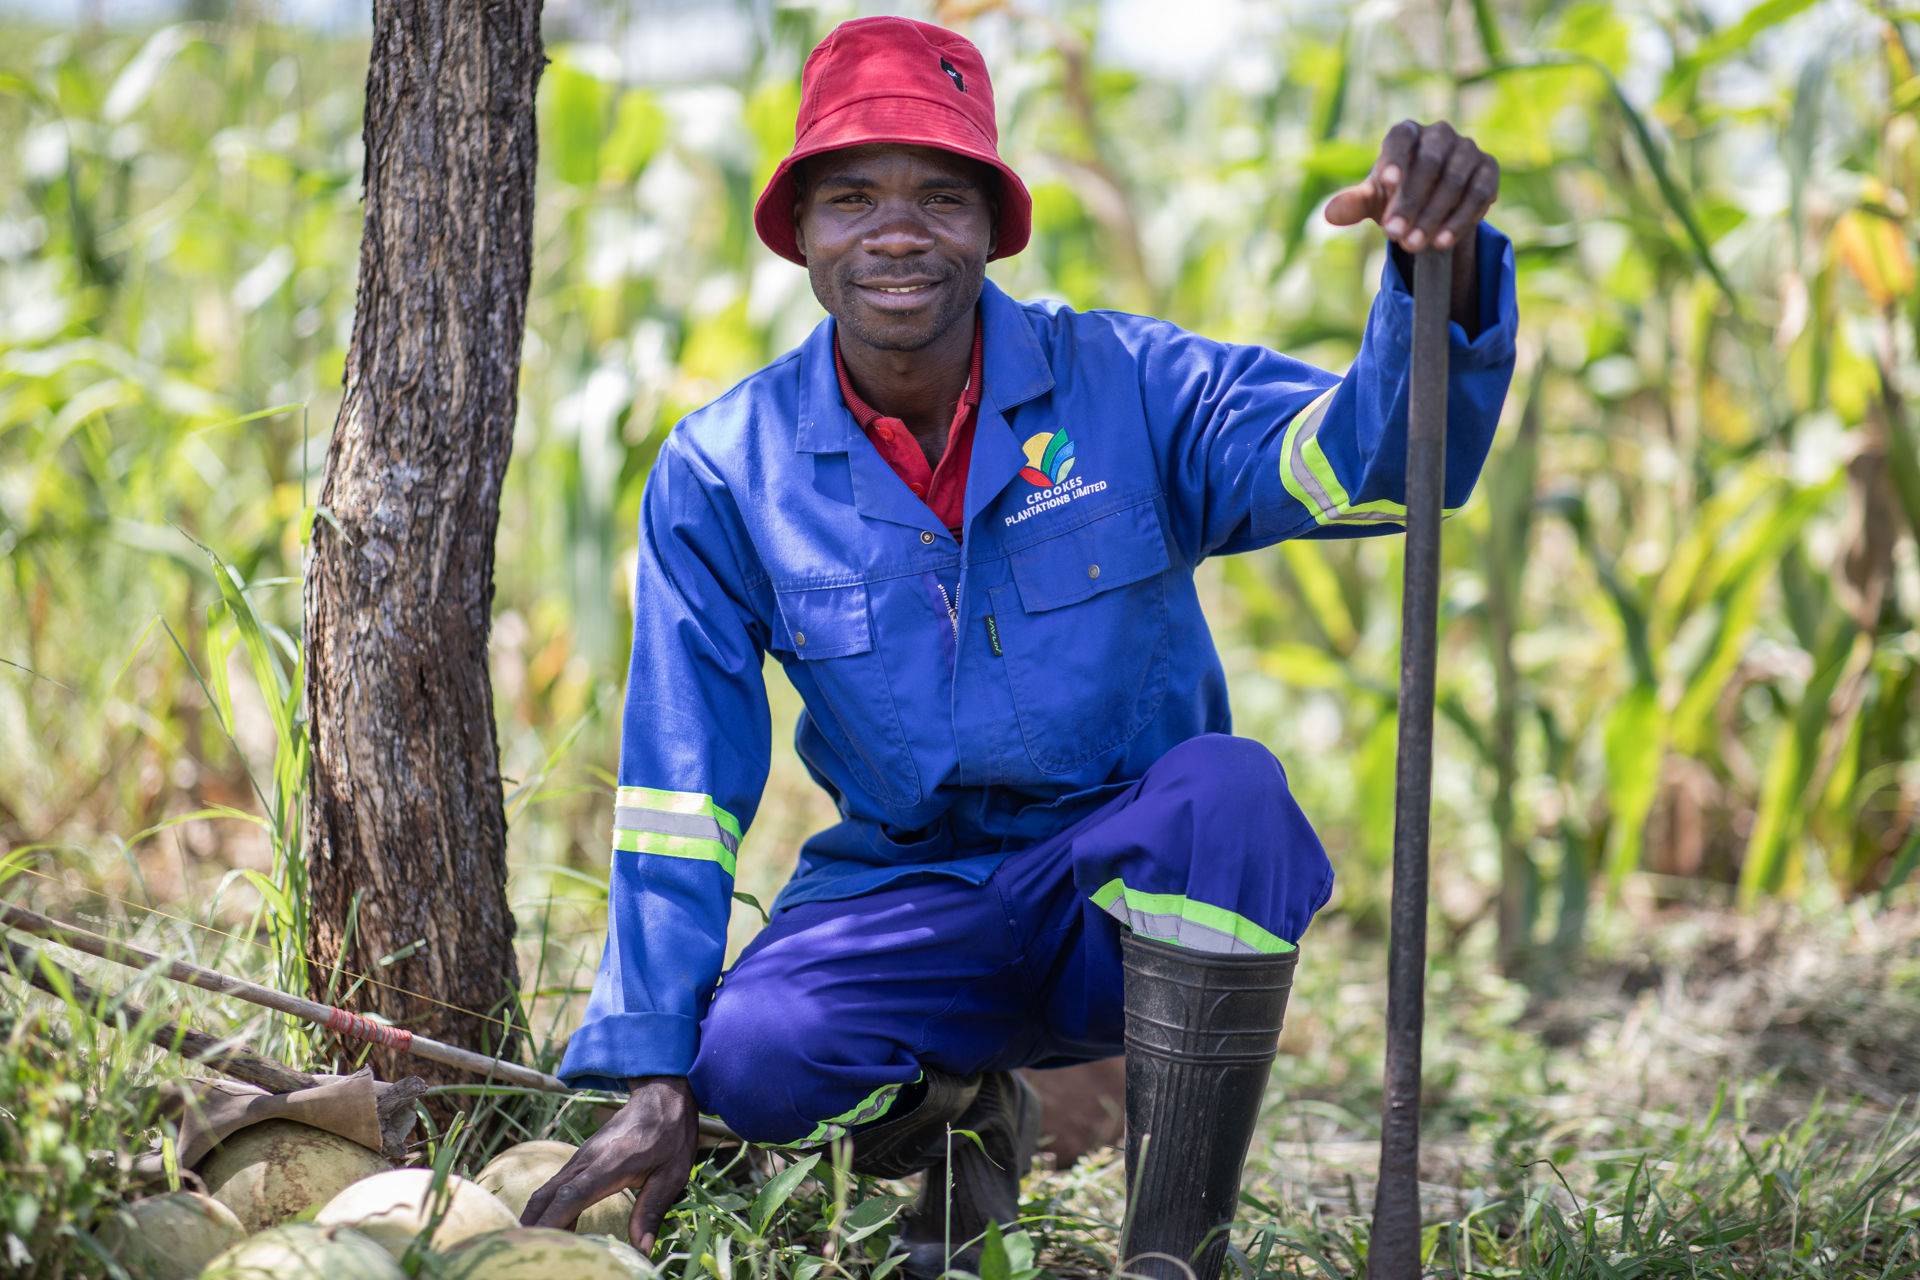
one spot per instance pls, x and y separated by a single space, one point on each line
1710 1095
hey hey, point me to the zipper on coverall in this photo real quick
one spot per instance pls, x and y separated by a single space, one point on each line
953 610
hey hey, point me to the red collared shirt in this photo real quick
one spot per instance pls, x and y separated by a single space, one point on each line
942 488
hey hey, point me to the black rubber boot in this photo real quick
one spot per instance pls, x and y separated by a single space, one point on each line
979 1183
1202 1030
912 1134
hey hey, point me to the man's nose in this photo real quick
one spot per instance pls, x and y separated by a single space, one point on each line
900 233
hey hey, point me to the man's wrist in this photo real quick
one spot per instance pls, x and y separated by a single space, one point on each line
634 1083
1465 310
1466 284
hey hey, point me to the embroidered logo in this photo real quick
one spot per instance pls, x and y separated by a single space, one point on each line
1049 470
1049 459
953 74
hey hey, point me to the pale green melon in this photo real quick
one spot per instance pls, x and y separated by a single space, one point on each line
396 1206
302 1251
170 1237
540 1253
269 1172
516 1173
626 1255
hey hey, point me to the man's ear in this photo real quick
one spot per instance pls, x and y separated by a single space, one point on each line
799 178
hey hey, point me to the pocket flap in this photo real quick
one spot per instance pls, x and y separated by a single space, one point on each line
827 622
1114 550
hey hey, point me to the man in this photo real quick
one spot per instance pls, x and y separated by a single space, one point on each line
967 527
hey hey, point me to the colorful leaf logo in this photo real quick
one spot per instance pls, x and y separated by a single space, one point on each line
1049 459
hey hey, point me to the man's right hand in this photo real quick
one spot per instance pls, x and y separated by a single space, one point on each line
647 1147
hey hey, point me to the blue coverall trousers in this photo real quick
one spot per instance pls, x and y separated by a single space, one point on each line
836 1004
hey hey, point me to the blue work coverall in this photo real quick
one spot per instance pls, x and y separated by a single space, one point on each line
1025 732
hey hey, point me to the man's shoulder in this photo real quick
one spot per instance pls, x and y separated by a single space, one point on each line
760 405
1062 327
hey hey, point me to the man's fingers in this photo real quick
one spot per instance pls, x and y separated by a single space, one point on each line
1356 203
537 1202
651 1205
1482 187
559 1206
1396 154
640 1233
1448 194
543 1198
1423 171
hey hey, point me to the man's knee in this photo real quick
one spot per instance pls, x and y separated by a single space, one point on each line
1235 787
754 1052
1221 764
776 1062
1244 833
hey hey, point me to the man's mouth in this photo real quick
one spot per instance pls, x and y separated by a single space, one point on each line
891 293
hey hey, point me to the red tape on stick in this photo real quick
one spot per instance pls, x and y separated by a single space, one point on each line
352 1024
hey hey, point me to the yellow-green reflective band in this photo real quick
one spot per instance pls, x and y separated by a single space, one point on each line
871 1107
676 824
697 848
1175 918
1308 475
683 802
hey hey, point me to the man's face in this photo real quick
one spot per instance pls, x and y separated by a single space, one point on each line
896 239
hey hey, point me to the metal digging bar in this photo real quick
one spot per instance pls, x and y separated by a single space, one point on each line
1393 1251
338 1020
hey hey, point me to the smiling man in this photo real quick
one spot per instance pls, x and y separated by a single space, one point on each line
967 527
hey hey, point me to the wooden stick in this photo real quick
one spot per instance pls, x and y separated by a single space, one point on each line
1394 1249
338 1020
351 1025
226 1056
393 1103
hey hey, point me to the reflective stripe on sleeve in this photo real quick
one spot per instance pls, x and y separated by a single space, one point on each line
676 824
1175 918
1309 476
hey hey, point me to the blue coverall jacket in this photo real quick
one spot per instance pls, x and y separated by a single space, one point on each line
1112 454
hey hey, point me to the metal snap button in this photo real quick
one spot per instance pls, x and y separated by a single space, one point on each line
926 536
799 639
1093 571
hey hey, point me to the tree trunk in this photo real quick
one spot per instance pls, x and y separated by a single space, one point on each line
406 808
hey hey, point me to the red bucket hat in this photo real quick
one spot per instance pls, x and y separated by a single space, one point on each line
894 80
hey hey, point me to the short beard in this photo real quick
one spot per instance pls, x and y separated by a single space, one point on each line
960 304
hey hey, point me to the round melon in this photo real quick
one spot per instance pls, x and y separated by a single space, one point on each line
302 1251
516 1173
269 1172
170 1237
636 1262
540 1253
396 1206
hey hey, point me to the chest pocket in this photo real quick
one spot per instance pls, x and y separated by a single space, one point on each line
1087 658
827 647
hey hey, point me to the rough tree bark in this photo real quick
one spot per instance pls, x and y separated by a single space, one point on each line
406 806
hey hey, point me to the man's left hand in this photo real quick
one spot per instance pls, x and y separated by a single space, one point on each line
1430 186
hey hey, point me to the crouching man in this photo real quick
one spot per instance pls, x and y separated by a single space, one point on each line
967 527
